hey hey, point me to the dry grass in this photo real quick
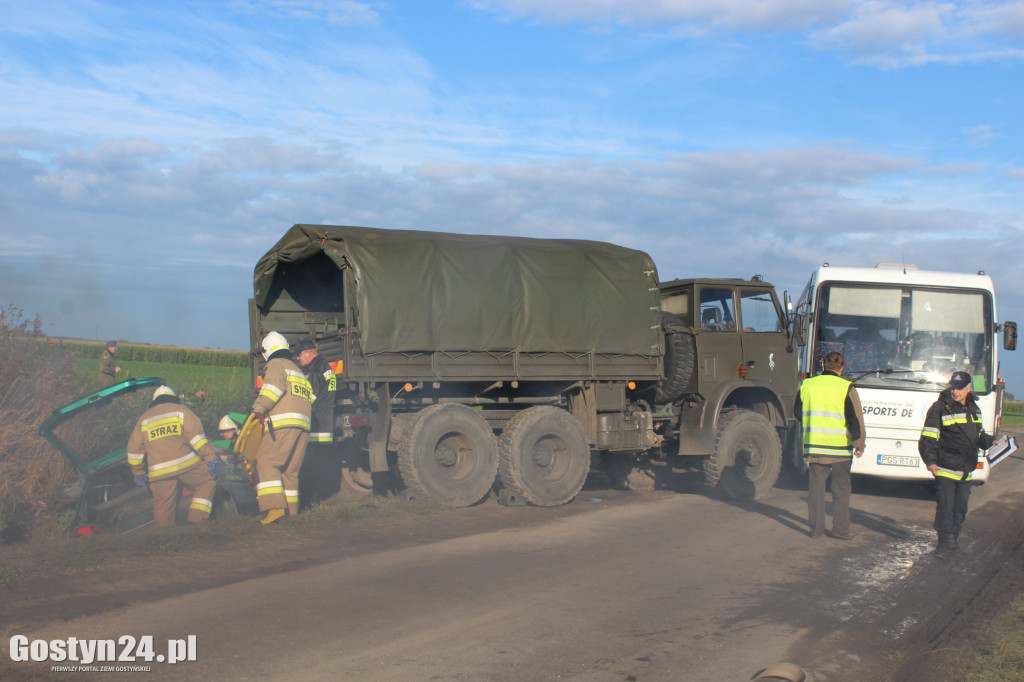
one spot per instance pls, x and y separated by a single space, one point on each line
36 377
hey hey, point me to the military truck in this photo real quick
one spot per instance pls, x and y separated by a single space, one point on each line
468 363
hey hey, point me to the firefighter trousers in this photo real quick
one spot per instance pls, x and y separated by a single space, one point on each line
277 465
165 495
951 505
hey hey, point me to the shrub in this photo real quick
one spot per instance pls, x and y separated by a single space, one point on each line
36 376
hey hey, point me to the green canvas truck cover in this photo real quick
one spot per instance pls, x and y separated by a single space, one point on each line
432 291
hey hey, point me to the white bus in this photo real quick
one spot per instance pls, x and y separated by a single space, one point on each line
903 331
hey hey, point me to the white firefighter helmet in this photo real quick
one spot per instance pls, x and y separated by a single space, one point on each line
163 390
273 342
226 424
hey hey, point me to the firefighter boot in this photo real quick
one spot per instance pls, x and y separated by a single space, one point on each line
941 550
954 545
272 516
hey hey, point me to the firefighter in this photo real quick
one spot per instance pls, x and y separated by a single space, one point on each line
320 477
167 446
225 445
949 444
283 405
108 369
228 432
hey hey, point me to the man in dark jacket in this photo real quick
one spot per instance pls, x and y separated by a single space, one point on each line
320 476
949 444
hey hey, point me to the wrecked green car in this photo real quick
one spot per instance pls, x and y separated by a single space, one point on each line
92 432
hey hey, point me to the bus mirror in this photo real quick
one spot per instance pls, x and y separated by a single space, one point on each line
798 336
1010 335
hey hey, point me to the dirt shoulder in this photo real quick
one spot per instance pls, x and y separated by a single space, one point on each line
90 575
932 625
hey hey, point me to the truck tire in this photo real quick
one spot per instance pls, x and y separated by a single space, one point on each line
680 360
544 456
747 457
451 455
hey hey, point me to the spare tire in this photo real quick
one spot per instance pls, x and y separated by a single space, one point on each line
680 359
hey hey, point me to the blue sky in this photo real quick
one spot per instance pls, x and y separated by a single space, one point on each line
151 152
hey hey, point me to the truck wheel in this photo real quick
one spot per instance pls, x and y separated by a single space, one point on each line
544 456
748 455
450 455
680 360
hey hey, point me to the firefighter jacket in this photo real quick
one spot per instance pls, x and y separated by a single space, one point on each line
324 384
167 439
952 435
285 397
830 411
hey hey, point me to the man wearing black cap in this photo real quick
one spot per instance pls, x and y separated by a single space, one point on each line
320 475
949 444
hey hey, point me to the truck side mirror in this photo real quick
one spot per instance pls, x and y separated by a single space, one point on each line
1010 335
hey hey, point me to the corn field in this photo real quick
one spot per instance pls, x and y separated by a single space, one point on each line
138 352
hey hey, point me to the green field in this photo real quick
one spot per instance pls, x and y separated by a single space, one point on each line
214 380
210 390
1013 413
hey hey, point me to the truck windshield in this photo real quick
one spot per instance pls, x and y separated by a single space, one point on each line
905 336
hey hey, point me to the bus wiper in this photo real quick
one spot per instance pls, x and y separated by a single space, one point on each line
885 371
916 381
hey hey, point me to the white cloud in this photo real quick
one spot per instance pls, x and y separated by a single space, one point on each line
727 14
953 169
887 33
884 33
341 12
979 136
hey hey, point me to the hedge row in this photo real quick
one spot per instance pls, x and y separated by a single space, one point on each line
129 352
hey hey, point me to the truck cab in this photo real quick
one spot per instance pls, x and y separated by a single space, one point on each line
744 366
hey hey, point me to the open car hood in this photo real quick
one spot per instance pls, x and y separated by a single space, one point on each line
89 463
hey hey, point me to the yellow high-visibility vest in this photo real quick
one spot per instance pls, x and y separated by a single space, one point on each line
824 416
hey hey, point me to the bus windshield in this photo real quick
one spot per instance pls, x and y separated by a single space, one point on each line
905 336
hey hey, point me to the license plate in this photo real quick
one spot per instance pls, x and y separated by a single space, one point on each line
898 460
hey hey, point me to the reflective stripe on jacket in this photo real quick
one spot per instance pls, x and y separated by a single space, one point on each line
166 440
286 396
951 437
823 400
324 383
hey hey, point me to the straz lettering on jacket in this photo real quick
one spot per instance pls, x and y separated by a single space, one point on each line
165 425
298 385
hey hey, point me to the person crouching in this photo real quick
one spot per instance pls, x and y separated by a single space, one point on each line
167 447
